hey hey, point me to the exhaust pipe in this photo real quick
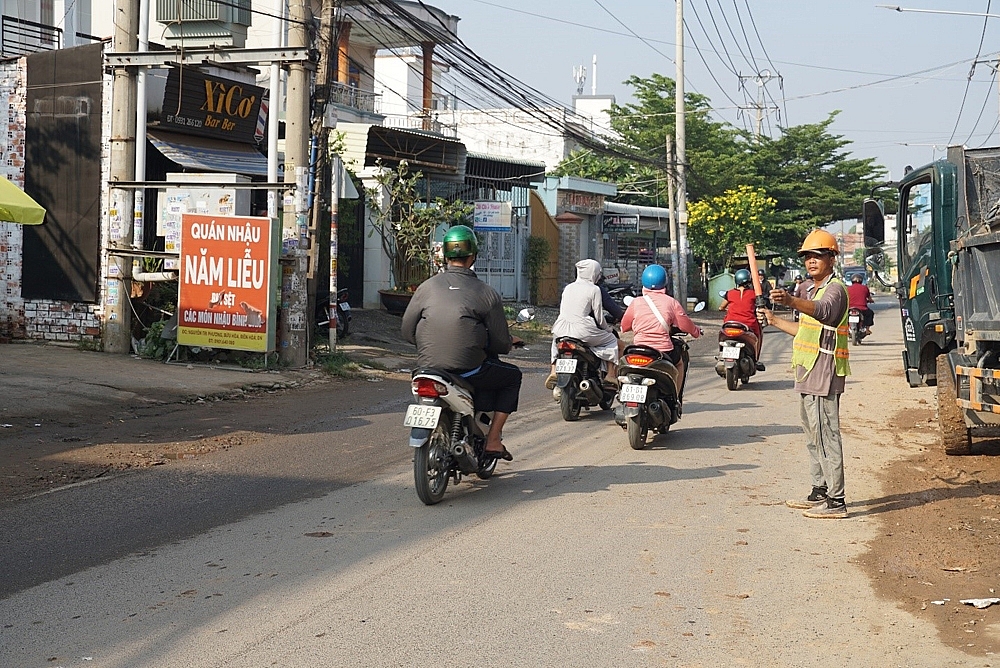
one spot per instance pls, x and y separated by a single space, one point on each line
656 415
464 457
591 390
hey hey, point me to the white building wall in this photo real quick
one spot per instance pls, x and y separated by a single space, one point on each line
398 81
510 133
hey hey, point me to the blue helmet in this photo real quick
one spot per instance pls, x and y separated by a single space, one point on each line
742 277
654 277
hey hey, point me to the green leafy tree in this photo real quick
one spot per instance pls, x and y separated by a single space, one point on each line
405 223
721 227
642 128
809 172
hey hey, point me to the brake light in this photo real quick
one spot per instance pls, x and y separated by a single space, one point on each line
566 345
732 331
638 360
425 387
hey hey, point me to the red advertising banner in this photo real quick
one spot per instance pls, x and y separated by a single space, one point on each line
228 282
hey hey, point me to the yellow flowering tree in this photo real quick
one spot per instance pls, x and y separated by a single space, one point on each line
721 227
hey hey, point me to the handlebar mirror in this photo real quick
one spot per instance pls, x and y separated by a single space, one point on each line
628 300
700 306
525 314
722 293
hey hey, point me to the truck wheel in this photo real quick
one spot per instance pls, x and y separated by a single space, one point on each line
956 438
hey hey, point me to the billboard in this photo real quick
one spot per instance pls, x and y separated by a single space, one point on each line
201 104
617 223
491 217
228 280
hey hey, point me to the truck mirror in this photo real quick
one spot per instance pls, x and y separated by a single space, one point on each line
873 222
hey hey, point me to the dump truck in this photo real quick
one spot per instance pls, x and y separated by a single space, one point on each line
947 254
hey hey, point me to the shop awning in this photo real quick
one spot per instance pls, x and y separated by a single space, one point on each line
209 155
18 207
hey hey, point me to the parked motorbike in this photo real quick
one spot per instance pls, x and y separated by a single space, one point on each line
580 379
652 389
343 315
856 323
446 431
737 360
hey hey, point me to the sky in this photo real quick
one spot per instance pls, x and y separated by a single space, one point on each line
900 79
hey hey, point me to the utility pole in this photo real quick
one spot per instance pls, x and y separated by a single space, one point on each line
682 214
320 228
760 108
675 249
117 323
295 320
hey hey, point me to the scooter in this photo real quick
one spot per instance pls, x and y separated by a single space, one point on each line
446 431
343 315
737 360
580 379
652 389
855 321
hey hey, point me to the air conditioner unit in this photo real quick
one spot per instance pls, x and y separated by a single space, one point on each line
195 23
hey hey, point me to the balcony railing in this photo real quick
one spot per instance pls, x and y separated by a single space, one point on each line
19 37
419 122
351 96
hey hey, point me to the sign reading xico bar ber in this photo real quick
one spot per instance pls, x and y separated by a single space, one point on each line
228 282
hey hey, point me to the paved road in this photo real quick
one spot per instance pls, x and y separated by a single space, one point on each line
580 552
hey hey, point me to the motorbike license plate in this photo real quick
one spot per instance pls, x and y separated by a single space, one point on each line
854 319
345 306
566 365
422 417
632 394
730 353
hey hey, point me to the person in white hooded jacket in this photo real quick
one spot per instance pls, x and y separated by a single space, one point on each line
581 316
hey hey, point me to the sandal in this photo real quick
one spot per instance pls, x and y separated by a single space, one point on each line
503 454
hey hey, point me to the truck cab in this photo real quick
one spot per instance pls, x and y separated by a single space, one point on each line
947 253
925 227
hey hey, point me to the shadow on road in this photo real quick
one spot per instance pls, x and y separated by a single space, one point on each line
703 438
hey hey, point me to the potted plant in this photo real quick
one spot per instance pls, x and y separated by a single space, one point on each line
405 222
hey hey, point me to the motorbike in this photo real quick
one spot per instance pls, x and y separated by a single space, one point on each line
447 433
580 379
737 360
856 323
343 315
652 388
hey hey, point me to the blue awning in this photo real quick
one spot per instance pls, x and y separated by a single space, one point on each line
210 155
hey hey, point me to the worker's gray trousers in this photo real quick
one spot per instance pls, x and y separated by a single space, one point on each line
821 422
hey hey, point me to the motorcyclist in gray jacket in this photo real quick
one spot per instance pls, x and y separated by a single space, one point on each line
458 324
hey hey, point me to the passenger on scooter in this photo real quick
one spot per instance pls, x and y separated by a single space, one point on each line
859 298
581 316
458 324
607 301
740 306
655 314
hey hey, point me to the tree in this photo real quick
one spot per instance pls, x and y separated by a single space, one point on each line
405 223
721 227
642 128
807 169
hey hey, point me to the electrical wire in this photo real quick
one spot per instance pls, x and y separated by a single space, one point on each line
781 81
982 110
972 70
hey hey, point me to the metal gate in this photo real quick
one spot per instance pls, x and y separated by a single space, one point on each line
501 255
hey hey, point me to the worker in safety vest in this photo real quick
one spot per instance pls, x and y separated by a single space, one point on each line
820 363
